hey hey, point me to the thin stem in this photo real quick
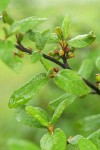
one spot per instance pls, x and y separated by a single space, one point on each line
96 90
65 62
54 60
26 50
23 49
64 65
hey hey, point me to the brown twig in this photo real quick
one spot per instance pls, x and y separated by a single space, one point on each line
64 65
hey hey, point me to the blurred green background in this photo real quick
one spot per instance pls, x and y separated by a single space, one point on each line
85 16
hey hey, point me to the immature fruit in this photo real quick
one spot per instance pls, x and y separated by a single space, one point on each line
70 55
61 53
98 77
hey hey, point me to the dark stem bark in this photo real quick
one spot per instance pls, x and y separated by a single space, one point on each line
26 50
64 65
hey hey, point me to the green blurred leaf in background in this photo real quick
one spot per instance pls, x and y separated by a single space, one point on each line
3 4
7 55
18 144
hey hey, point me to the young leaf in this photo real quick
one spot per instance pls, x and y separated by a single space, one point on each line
90 123
98 63
65 26
18 144
39 114
68 97
28 91
82 40
86 68
7 18
85 144
59 32
26 24
95 138
54 141
36 56
31 34
7 55
72 83
74 140
41 39
23 117
3 4
59 110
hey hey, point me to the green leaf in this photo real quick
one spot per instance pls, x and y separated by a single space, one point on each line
54 141
39 114
31 34
53 38
72 83
85 144
65 26
82 40
59 110
36 56
74 140
3 4
23 117
28 91
7 18
95 138
7 49
72 147
41 39
26 24
90 123
46 64
19 144
86 68
98 63
68 97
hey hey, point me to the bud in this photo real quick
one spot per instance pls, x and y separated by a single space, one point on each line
52 75
71 55
98 77
19 37
56 69
61 53
59 33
